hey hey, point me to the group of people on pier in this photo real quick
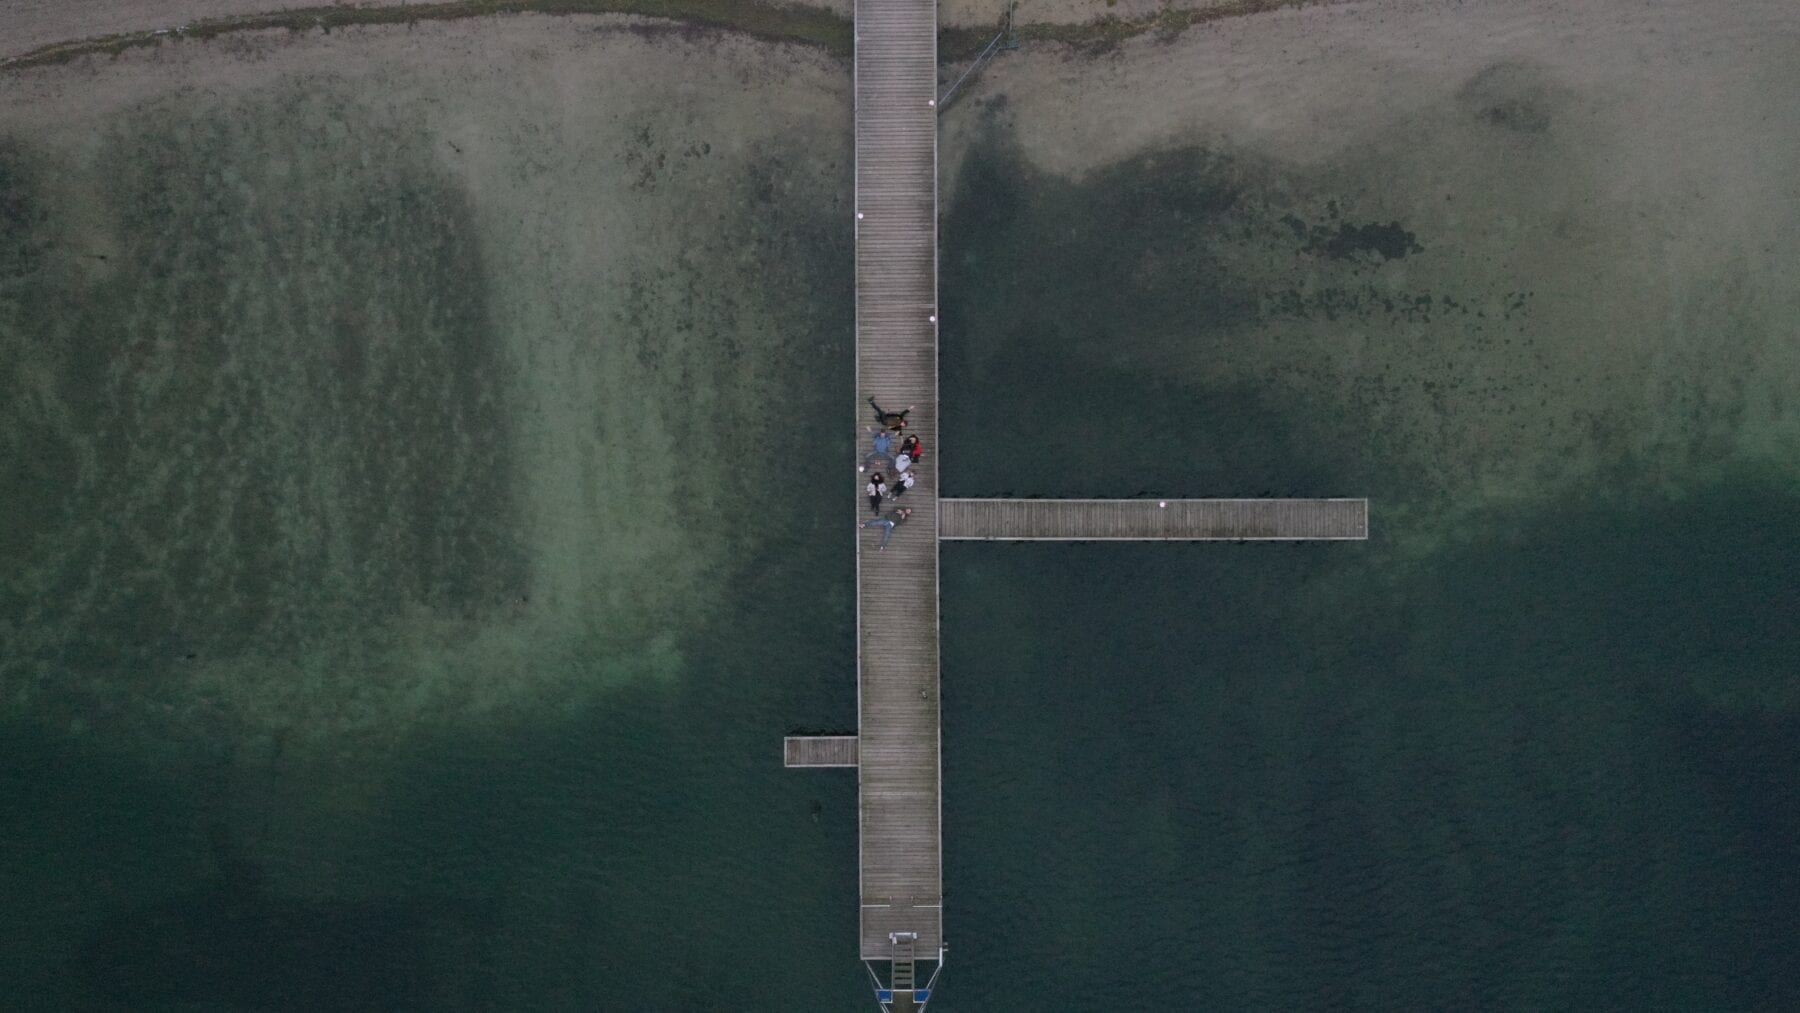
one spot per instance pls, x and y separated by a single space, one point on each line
899 452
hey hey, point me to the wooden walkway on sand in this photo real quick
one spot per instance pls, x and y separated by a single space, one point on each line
1151 519
897 589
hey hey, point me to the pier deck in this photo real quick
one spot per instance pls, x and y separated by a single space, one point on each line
818 751
897 588
1151 519
896 751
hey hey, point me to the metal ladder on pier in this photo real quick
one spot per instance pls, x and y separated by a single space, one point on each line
903 964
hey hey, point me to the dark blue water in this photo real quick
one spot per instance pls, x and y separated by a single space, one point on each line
1271 777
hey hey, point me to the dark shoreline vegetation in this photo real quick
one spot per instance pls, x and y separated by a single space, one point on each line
809 26
1103 34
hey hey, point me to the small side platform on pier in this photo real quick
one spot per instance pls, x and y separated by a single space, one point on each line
1153 519
819 751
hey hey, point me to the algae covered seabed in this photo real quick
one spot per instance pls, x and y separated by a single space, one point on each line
394 512
1520 277
422 517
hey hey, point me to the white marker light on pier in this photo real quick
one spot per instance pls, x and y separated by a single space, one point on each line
931 102
859 216
934 318
1162 504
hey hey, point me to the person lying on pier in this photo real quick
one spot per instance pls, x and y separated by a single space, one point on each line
893 420
875 488
912 448
903 483
894 519
884 446
901 464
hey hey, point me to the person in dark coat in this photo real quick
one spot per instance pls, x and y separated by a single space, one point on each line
893 420
894 519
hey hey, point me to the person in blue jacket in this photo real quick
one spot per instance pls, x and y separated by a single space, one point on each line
884 450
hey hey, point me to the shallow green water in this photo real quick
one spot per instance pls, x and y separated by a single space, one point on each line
1540 765
395 613
1529 752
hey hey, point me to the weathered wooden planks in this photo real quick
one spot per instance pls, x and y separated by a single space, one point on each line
1150 519
896 363
819 751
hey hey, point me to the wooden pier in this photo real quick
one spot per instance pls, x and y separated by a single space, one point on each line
1154 519
896 749
897 588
